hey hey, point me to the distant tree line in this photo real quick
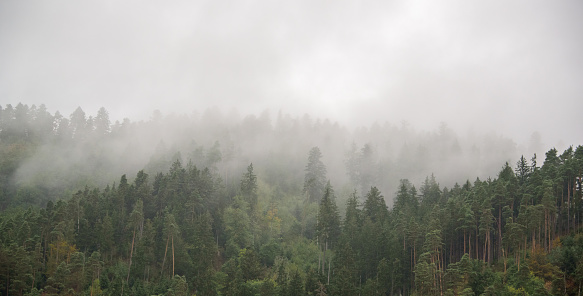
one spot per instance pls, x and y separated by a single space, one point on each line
47 155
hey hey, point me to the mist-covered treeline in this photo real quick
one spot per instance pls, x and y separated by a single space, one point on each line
45 155
251 207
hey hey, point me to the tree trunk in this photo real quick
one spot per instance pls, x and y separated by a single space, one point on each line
165 252
533 240
464 241
131 254
569 207
319 259
33 278
525 245
485 249
451 250
470 245
489 248
58 243
518 260
499 231
414 254
324 258
411 259
173 256
329 272
477 248
504 258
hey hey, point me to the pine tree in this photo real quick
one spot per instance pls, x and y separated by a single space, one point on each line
344 280
375 207
328 227
295 286
249 188
237 227
315 177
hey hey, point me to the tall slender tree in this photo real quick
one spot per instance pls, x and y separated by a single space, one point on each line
315 177
328 226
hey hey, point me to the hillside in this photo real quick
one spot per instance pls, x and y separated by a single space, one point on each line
217 204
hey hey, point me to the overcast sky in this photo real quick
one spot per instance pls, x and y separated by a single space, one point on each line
511 66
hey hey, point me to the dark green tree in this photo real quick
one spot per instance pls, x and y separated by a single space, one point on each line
315 176
249 188
328 225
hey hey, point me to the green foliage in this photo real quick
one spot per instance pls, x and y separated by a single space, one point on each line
178 287
204 232
237 227
328 227
315 177
249 187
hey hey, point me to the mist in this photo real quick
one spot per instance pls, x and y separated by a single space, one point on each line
494 67
291 147
69 153
453 89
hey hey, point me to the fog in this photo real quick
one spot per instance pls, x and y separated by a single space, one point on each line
493 65
60 154
493 72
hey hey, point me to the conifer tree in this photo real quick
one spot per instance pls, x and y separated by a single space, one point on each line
328 227
315 177
249 188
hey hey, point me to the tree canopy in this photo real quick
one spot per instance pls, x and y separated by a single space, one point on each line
209 222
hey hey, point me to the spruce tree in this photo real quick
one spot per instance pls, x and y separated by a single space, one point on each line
315 177
328 227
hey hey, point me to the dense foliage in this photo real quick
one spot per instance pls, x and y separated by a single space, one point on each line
178 227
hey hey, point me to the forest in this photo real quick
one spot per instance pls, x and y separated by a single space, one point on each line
220 204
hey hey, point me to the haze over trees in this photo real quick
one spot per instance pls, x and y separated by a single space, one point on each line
56 153
217 204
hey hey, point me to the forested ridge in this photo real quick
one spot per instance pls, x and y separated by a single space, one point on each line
212 218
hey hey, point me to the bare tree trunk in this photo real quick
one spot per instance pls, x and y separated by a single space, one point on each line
485 249
569 207
551 232
464 241
499 231
525 245
328 272
477 245
324 258
320 261
504 258
411 255
414 254
470 245
173 256
488 256
517 260
533 240
165 252
131 254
